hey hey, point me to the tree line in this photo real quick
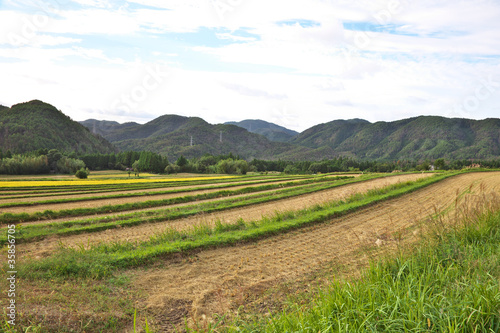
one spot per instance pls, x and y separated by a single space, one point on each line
44 161
156 163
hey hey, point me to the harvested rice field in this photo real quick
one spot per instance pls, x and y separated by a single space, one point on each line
184 252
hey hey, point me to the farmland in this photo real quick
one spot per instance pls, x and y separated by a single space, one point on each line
186 250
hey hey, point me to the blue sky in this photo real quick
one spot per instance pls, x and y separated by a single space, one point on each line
295 63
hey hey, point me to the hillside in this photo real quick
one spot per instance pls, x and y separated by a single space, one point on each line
171 135
271 131
103 127
33 125
415 138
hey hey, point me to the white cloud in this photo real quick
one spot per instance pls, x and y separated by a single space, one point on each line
296 65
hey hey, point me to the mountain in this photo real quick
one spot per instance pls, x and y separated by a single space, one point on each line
33 125
414 138
103 127
330 134
171 135
271 131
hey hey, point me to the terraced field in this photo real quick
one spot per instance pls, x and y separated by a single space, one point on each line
196 248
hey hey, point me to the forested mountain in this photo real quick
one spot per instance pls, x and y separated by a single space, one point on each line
104 127
271 131
36 125
414 138
171 135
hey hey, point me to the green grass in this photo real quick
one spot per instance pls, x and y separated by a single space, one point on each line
49 214
159 184
156 193
100 190
103 260
39 231
450 283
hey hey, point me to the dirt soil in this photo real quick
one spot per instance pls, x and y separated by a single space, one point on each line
220 280
145 231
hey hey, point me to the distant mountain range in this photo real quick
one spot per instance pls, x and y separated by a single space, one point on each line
34 125
174 135
271 131
414 138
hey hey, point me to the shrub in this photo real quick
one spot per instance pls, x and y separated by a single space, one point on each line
82 173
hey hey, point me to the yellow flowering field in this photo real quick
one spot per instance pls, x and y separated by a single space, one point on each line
91 182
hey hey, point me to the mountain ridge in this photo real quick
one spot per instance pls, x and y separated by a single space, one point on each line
271 131
34 125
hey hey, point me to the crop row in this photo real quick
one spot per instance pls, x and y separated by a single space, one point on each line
48 214
39 231
103 259
156 193
71 186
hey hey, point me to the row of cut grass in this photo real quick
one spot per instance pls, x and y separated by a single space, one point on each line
103 259
99 189
39 231
49 214
93 182
157 193
70 190
147 183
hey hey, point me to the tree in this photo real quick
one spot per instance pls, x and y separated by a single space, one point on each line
424 166
172 168
440 164
182 163
54 155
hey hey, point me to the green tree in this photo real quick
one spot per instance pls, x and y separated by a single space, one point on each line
440 164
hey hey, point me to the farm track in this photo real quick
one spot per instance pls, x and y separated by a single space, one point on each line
219 280
144 231
150 196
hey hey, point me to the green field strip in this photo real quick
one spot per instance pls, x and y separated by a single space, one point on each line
151 194
39 231
162 182
25 217
117 189
103 259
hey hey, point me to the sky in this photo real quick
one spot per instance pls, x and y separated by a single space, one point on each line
296 63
